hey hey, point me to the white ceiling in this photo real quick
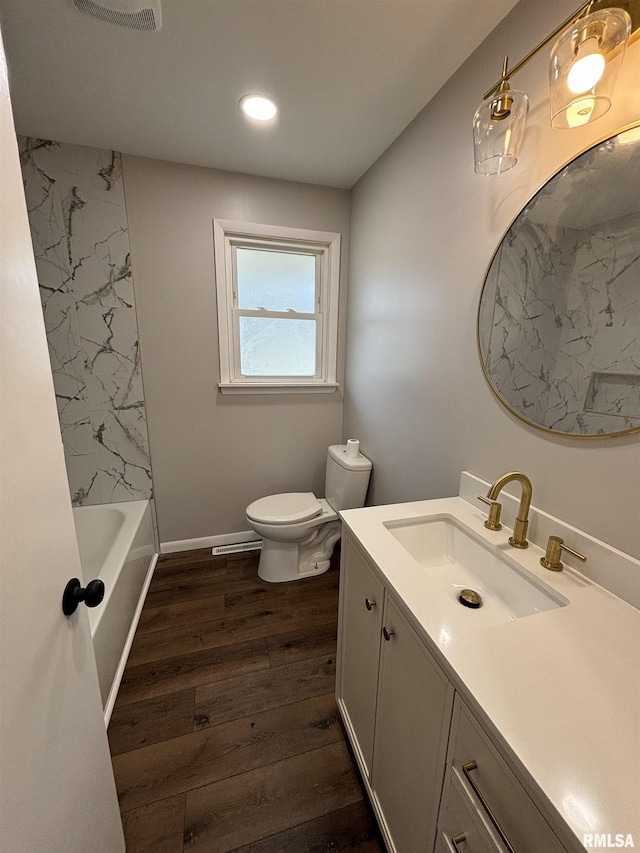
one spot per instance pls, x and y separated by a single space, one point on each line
349 76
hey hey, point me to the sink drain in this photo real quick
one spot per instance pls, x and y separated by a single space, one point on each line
470 598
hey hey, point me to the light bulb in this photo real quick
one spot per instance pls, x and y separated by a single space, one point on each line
579 112
258 107
585 72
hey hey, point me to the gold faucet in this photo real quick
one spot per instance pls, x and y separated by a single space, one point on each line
519 538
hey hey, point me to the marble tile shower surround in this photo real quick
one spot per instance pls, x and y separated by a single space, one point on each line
79 230
568 358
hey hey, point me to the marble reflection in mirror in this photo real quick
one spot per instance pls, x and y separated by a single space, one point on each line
559 316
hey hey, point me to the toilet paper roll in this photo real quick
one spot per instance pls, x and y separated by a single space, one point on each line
353 447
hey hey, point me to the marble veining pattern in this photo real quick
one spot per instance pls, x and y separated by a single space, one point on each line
79 230
551 344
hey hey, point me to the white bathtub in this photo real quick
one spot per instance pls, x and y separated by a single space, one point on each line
116 545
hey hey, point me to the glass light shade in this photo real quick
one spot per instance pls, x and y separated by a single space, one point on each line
584 66
498 129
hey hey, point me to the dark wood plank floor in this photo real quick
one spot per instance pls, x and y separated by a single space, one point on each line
225 735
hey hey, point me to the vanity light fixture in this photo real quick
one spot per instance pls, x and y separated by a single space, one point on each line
583 68
498 128
258 107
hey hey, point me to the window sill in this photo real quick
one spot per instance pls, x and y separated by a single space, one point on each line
278 387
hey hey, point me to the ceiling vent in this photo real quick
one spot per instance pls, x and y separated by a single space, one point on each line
132 14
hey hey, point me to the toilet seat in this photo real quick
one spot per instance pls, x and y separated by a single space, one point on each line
287 508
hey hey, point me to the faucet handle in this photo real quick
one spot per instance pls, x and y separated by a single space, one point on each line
495 508
555 547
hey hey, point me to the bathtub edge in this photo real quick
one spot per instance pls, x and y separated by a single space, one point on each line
117 678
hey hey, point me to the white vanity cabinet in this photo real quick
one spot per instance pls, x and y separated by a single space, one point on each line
436 780
396 703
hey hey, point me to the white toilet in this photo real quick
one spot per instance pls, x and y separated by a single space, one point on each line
298 530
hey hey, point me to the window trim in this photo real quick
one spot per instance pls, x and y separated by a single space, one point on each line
229 234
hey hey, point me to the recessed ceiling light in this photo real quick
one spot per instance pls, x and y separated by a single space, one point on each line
258 107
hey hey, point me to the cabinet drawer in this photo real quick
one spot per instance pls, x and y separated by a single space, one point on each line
460 828
506 803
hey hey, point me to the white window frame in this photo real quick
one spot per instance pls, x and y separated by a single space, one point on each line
229 235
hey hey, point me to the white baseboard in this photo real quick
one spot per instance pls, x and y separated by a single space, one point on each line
209 541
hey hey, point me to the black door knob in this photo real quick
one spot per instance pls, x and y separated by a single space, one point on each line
74 593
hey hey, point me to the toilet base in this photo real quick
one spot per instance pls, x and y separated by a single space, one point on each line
290 561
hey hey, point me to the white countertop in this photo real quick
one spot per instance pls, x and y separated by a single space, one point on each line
559 690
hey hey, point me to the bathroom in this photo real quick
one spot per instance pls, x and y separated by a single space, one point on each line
418 231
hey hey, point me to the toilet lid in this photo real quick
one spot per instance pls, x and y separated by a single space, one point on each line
285 509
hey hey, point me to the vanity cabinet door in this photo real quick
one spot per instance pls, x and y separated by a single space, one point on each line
361 605
412 725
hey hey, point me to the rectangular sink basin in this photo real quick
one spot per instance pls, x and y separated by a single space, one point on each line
451 554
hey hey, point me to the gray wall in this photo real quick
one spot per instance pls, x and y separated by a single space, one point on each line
423 230
214 454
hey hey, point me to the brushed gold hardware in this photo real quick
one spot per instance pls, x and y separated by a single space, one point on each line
369 603
387 634
466 769
493 522
458 839
593 30
503 101
519 538
555 547
470 598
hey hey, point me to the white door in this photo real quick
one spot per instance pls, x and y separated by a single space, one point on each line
57 793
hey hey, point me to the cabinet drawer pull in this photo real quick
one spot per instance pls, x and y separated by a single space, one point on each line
458 839
370 602
387 634
466 769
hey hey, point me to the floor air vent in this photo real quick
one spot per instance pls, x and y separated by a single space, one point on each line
235 549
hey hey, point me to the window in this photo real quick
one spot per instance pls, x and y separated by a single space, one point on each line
277 308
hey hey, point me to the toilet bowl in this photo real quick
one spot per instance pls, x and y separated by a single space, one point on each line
294 548
299 530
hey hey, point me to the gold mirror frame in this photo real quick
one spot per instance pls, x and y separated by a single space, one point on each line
488 284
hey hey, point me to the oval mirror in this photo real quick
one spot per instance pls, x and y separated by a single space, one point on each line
559 315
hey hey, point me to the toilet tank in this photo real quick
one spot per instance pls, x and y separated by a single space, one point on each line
346 479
